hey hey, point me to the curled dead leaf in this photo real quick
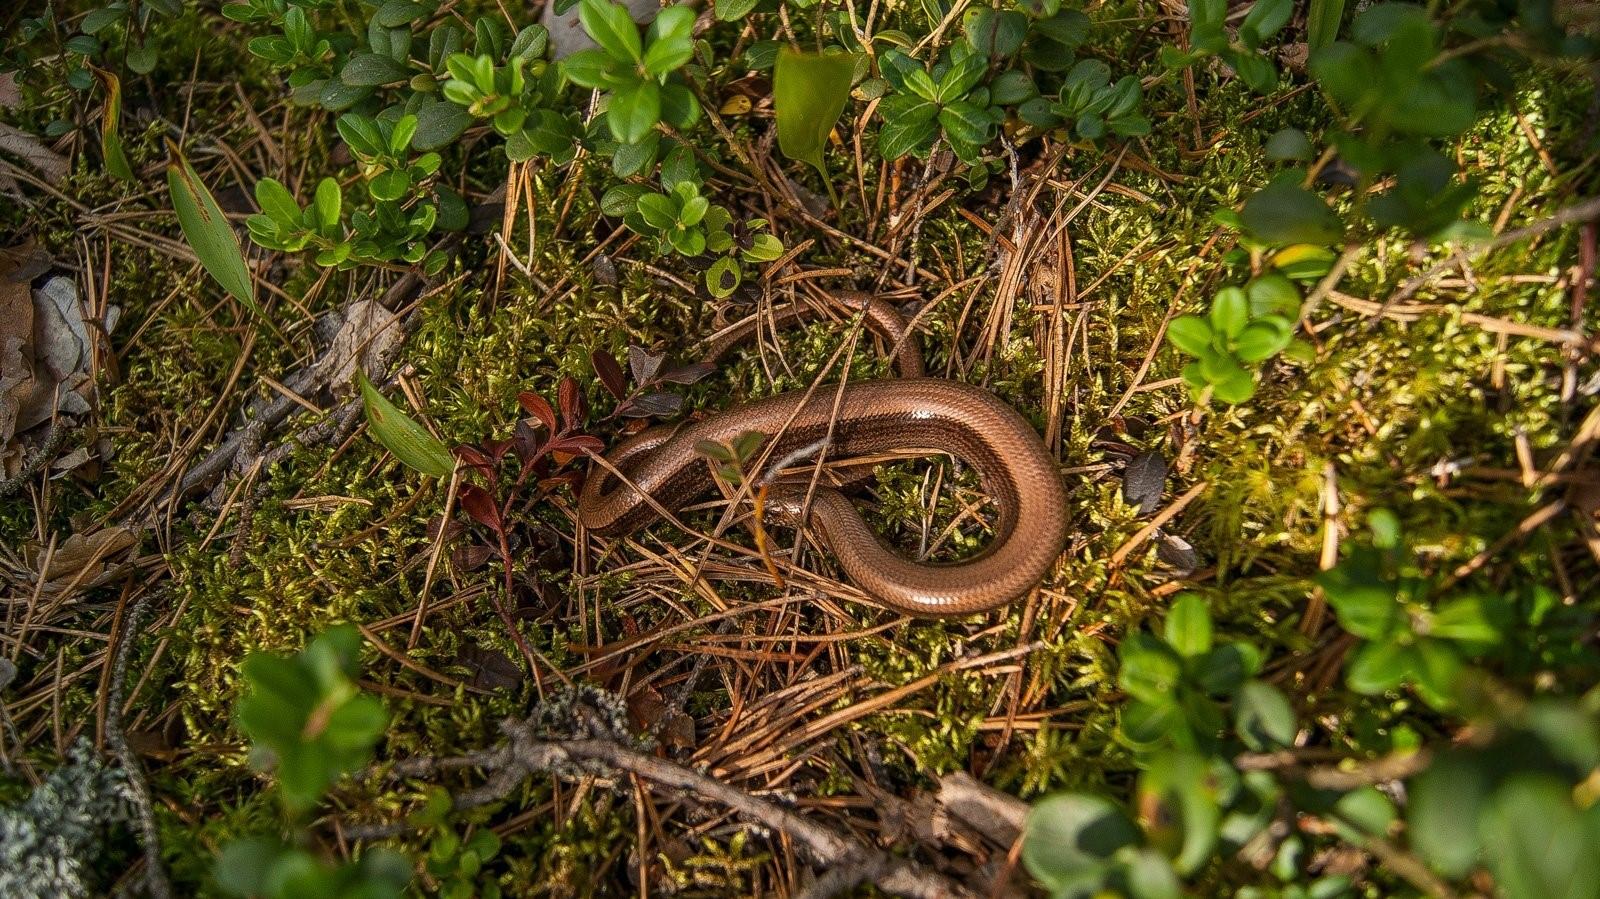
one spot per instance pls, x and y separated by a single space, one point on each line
80 559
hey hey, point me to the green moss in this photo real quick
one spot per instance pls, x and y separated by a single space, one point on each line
1381 405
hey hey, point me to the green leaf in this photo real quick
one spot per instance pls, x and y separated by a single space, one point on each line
99 19
1151 670
1263 717
388 186
1266 18
994 33
910 126
1069 835
633 112
1285 213
1322 23
920 83
1262 339
243 865
142 60
1235 387
1178 798
1146 874
658 210
1188 626
1190 334
764 248
1149 724
1467 620
1364 812
207 231
277 203
1445 804
1012 87
1230 312
1365 601
1538 844
1221 671
1289 143
1255 70
589 68
809 91
678 105
622 199
1377 667
327 202
723 277
438 125
1436 671
1303 262
962 76
733 10
673 24
372 69
612 28
1207 15
409 441
1273 294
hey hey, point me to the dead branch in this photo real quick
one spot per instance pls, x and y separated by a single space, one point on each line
527 753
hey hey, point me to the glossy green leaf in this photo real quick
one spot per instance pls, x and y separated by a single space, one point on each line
1188 625
1069 835
1322 23
1285 213
633 112
1191 334
1150 669
409 441
1230 312
1263 717
1377 667
1538 843
208 231
809 91
612 28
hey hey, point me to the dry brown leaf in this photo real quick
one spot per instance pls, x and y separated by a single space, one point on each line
27 149
16 336
81 551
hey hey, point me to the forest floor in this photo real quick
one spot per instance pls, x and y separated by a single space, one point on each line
1051 286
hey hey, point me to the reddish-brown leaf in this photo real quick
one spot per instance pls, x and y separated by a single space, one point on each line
610 373
526 441
643 364
539 408
571 400
472 456
477 502
576 445
688 374
648 404
496 448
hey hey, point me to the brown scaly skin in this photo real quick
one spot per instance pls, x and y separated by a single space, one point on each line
910 413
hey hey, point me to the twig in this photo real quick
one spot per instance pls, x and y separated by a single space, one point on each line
36 462
848 861
1580 212
155 875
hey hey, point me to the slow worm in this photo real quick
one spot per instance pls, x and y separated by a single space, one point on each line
908 413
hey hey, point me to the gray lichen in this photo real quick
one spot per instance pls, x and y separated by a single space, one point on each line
49 842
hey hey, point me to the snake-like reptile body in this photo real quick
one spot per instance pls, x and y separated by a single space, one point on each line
864 418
